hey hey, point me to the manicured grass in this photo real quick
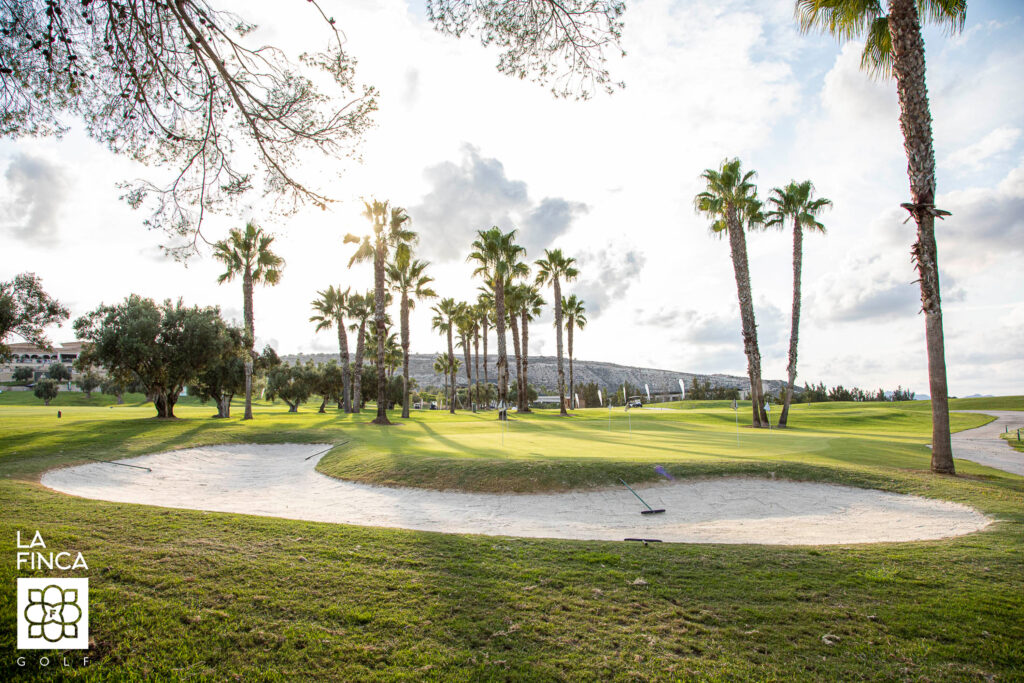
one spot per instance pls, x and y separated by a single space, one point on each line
186 594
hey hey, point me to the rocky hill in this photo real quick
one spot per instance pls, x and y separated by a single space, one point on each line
543 372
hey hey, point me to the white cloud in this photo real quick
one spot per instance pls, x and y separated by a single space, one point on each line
974 156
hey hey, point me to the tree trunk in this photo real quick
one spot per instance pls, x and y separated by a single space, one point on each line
451 369
572 384
476 371
160 403
519 361
120 399
916 123
382 333
357 378
323 405
251 342
558 347
738 248
405 354
292 407
526 361
469 372
499 323
794 329
346 370
486 330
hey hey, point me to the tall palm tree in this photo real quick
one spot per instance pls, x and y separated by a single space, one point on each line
389 233
575 317
465 321
479 320
893 45
441 363
730 201
359 309
247 253
556 268
498 260
485 301
443 321
407 276
515 302
795 202
532 303
330 311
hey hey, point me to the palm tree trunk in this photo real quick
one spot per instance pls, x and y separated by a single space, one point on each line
476 372
499 323
469 371
572 387
357 379
380 323
558 347
520 391
526 362
451 368
346 370
405 354
916 123
794 329
486 330
247 314
738 250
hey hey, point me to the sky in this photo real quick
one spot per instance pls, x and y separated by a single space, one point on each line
611 182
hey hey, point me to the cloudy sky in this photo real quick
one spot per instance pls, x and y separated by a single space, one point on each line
611 181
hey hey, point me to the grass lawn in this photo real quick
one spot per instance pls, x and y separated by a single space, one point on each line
206 596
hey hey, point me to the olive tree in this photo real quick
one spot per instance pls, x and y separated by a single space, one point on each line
165 346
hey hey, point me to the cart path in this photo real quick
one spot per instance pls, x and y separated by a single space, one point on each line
983 445
281 481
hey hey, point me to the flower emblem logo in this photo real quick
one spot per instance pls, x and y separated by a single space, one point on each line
53 613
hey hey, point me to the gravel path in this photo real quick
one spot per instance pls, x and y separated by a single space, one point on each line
983 445
280 481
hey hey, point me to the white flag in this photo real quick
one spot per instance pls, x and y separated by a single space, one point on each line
682 389
577 396
600 398
648 390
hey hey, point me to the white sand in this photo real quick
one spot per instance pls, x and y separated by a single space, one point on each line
279 481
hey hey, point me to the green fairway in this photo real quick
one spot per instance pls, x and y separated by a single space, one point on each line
188 594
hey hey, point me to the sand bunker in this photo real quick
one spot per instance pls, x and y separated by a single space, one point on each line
280 481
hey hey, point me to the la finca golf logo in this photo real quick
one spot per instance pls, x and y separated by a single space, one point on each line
53 614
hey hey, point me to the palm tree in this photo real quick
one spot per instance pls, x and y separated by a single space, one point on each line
444 322
515 301
389 233
479 321
441 363
359 309
247 253
532 303
556 268
498 260
330 311
730 200
894 45
465 321
407 277
795 202
485 301
575 317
